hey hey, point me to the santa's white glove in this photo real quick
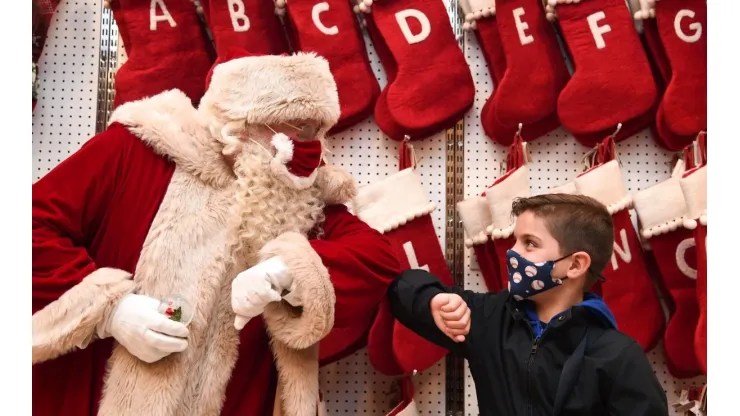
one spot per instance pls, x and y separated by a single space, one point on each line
147 334
255 287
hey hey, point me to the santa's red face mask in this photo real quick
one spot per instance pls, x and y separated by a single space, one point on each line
296 160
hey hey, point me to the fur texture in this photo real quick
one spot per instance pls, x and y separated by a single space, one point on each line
214 223
273 89
70 321
336 184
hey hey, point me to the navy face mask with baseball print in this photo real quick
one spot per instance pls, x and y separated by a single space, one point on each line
527 278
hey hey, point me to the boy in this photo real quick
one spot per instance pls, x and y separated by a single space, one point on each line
545 346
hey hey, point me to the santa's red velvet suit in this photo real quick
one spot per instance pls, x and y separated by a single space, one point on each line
146 207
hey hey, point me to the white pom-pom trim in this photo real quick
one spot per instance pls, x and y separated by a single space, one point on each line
404 219
622 204
669 226
501 233
703 220
472 17
479 239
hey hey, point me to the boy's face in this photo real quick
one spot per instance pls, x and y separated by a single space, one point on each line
535 243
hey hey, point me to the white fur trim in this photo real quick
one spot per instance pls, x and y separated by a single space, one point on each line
694 187
476 218
661 208
605 184
500 197
69 322
336 184
168 123
392 202
283 148
273 89
568 188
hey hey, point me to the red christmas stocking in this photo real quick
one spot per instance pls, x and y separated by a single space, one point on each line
483 21
249 25
399 207
43 10
535 69
407 406
683 110
612 82
500 196
663 218
161 38
694 187
476 219
419 36
330 29
382 114
628 291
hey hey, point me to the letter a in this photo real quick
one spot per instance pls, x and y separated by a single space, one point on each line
596 30
164 17
239 19
624 253
426 27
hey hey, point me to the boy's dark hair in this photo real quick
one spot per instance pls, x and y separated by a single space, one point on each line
577 222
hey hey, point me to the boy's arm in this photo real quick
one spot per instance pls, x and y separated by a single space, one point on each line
636 391
410 295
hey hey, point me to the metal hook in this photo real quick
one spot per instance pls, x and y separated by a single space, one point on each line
619 127
519 130
406 138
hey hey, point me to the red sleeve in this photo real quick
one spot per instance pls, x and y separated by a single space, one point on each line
68 205
361 264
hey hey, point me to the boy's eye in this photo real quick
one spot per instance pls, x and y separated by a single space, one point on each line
531 243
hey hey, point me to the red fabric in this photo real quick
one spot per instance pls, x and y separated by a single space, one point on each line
535 68
306 157
487 259
418 238
656 52
612 84
94 210
407 397
493 52
683 110
416 246
245 24
628 291
700 335
345 50
157 58
416 99
675 255
362 264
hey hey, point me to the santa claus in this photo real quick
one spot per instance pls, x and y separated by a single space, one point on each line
230 208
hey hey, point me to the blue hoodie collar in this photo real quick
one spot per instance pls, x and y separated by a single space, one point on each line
591 302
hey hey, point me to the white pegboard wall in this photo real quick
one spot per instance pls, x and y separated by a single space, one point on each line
556 159
64 117
350 386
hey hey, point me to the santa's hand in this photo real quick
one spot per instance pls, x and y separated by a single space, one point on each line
254 288
147 334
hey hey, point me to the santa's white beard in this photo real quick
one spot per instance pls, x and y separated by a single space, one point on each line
266 207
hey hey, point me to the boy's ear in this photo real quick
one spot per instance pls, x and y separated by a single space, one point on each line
581 262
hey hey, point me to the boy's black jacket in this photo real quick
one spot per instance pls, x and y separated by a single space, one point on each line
514 375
